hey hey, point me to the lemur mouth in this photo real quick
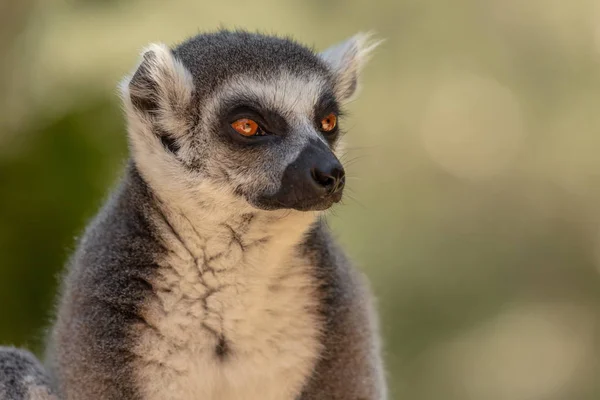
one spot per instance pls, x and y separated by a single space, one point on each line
320 204
279 202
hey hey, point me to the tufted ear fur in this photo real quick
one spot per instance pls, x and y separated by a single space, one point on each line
346 60
158 95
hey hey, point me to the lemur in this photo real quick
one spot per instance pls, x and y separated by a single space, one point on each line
210 272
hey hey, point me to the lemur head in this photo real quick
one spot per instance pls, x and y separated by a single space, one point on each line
243 119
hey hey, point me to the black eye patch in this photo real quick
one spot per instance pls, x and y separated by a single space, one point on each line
326 104
270 121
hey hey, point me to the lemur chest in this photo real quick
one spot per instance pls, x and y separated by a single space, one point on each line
234 323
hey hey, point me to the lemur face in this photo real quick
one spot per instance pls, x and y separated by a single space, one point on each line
273 141
249 117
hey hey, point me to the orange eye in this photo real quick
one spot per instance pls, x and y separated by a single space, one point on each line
328 123
245 127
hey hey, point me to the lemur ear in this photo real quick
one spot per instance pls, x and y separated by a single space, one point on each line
160 90
346 60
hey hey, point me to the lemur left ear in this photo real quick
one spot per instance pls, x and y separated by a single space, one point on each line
346 60
159 92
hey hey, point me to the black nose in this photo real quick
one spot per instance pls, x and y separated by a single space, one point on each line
329 178
313 181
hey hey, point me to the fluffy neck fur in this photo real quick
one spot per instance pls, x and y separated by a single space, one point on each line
211 222
228 277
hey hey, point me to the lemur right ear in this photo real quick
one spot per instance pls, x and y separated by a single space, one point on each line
160 90
346 61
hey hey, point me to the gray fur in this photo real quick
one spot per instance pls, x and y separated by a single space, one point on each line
187 227
242 53
90 354
22 377
350 367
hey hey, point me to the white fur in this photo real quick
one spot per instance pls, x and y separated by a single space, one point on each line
174 85
261 299
273 336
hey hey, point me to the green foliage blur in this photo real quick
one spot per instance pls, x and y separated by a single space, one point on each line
474 201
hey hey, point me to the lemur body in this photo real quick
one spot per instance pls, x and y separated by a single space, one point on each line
209 274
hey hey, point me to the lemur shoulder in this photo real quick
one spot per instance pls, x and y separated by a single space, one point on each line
210 273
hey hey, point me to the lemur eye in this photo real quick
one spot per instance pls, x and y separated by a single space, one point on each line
246 127
328 123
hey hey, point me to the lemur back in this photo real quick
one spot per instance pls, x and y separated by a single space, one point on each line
210 273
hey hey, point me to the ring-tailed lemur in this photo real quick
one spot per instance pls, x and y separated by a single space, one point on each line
210 274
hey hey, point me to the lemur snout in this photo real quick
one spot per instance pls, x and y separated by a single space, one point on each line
313 181
329 179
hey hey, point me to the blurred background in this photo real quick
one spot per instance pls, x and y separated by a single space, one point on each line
473 149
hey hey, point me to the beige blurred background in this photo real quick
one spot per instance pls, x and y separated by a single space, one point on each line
475 185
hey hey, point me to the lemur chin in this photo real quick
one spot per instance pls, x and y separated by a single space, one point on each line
209 273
